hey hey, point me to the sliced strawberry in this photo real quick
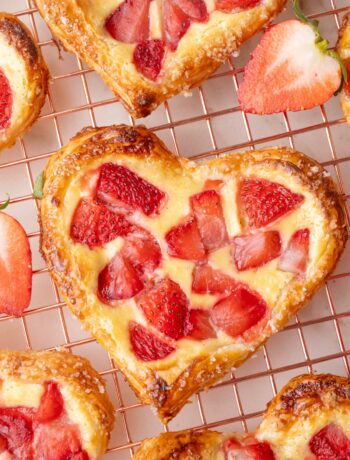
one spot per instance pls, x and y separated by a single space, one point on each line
195 9
165 306
6 101
263 202
51 404
230 5
288 71
95 225
148 58
175 23
58 441
199 327
129 23
295 258
238 312
142 250
80 456
15 267
88 182
120 187
209 214
16 428
184 241
255 249
254 451
118 280
3 444
331 443
206 280
147 346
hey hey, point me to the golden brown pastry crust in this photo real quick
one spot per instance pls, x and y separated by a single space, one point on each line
123 142
70 372
303 398
198 55
33 84
343 48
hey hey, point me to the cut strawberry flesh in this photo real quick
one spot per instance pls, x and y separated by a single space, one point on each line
96 225
148 58
165 307
199 326
230 5
234 450
17 429
129 23
238 312
147 346
175 23
207 280
15 267
184 241
295 258
142 250
6 101
288 71
51 404
263 202
122 188
256 249
118 280
331 443
195 9
208 212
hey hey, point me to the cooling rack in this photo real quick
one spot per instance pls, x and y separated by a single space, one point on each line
206 122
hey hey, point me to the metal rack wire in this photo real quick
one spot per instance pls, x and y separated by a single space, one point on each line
317 340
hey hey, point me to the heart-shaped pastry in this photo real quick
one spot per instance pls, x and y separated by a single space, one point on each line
23 79
150 50
309 419
182 270
343 48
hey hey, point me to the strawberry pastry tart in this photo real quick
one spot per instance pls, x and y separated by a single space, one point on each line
182 270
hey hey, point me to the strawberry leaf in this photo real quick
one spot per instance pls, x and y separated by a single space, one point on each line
38 186
6 203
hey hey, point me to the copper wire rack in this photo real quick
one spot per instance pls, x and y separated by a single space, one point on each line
206 122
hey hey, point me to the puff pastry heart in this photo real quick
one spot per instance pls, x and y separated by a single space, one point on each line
150 50
309 419
53 406
343 48
182 270
23 79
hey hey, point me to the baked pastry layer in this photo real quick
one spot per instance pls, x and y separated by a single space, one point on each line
24 79
184 364
24 378
81 26
294 427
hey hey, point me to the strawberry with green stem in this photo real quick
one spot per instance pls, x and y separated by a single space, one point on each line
292 69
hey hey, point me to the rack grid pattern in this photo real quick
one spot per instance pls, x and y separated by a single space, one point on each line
206 122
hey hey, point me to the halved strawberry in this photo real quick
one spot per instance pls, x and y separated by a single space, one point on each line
118 280
231 5
238 312
209 214
207 280
291 69
3 444
58 440
198 326
255 249
6 101
262 202
148 58
16 428
51 404
175 23
96 225
165 306
195 9
295 258
254 451
331 443
184 241
147 346
129 23
121 188
142 250
15 267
